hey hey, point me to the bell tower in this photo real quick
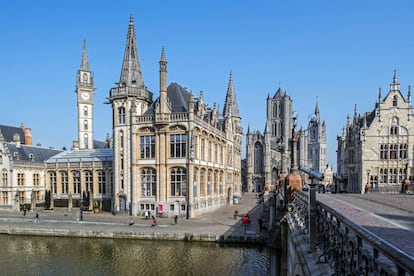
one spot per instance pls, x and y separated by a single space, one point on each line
84 91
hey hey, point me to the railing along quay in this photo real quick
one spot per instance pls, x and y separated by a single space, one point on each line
349 248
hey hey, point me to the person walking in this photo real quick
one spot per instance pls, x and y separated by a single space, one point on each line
154 222
36 219
245 221
175 219
146 214
131 221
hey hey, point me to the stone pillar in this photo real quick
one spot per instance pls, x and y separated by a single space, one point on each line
70 202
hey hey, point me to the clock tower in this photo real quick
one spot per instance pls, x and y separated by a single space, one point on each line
84 91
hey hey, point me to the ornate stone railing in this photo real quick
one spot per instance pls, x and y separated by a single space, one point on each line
349 248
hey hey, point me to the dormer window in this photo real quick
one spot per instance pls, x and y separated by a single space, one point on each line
16 155
31 157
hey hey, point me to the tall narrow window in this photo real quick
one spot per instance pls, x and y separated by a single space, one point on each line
147 144
203 149
178 182
20 179
4 178
121 115
85 111
149 182
76 182
89 181
36 179
178 144
65 182
85 125
53 184
202 182
86 140
395 100
101 182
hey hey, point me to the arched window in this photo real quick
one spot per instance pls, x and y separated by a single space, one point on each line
149 182
85 77
178 181
121 115
85 125
85 138
1 157
52 179
85 111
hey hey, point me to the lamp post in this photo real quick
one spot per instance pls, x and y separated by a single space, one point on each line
367 186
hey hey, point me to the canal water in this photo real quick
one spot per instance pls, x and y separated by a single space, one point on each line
32 255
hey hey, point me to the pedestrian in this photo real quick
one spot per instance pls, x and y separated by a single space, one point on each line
131 222
245 221
146 215
81 214
24 211
175 219
154 222
149 214
36 218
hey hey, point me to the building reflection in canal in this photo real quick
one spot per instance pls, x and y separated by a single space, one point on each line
24 255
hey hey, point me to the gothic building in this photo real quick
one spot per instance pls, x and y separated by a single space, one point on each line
268 155
174 154
375 149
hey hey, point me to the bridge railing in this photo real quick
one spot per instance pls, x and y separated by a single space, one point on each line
349 248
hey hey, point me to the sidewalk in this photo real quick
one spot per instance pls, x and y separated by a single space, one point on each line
213 226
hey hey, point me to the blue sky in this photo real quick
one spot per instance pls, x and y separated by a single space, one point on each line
338 51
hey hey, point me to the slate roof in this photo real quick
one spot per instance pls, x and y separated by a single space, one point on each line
9 131
100 144
30 153
178 97
83 155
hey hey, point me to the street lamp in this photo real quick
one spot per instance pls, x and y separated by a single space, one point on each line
367 186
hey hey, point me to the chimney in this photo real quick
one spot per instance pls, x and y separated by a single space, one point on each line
27 135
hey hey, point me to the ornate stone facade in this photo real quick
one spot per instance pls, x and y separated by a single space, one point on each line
375 150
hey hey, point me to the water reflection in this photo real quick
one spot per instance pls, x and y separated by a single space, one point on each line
23 255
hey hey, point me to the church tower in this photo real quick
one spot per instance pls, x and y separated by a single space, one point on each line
129 98
84 91
316 144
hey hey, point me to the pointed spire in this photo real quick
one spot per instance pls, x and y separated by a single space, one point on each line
131 69
395 85
379 95
163 58
248 128
231 109
409 94
317 106
85 62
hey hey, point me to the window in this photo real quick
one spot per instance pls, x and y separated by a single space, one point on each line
20 179
395 100
85 125
101 182
178 143
121 115
394 130
86 140
178 182
76 182
31 157
36 179
393 176
209 182
393 151
65 182
202 182
85 111
209 157
1 157
215 152
121 139
147 147
52 179
203 148
89 181
149 182
4 178
85 77
5 197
